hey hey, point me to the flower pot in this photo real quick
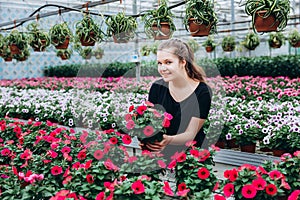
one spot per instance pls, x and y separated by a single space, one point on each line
278 152
162 33
63 45
198 30
9 59
156 137
250 148
275 46
296 45
267 24
64 57
209 49
228 48
232 143
90 41
282 197
14 49
220 144
98 56
265 149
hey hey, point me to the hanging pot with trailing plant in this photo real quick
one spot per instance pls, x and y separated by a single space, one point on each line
121 27
17 41
268 15
98 53
64 54
86 53
88 32
251 41
159 22
38 39
294 38
209 44
24 54
60 35
276 39
228 43
200 18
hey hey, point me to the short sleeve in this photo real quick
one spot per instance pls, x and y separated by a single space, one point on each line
153 93
204 103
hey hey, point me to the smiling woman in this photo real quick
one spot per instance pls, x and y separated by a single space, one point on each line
183 93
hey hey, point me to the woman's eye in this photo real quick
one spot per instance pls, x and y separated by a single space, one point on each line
168 62
159 63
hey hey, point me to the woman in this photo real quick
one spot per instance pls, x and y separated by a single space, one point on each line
182 92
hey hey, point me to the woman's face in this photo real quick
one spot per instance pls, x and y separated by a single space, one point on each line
169 65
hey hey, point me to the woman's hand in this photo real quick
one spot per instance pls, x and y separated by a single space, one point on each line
159 146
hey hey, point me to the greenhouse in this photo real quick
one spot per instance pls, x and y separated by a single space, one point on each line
142 99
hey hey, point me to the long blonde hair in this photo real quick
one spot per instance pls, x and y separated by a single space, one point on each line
184 52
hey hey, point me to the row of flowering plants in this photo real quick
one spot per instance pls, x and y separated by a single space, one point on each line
40 160
246 87
273 123
272 180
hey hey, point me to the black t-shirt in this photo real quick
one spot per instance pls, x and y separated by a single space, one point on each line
195 105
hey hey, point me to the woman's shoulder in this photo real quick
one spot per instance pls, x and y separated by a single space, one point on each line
204 87
160 83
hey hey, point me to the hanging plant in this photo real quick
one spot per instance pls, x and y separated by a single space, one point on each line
64 54
209 44
294 38
2 44
159 22
268 15
154 47
6 54
251 41
121 27
38 39
200 18
193 45
276 39
88 32
86 53
228 43
145 50
17 41
60 35
24 54
98 53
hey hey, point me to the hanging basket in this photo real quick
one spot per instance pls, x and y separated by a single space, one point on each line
64 57
162 33
296 45
14 49
209 49
8 59
88 41
267 24
198 30
63 45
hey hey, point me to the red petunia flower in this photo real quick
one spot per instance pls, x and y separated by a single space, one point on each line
98 154
228 189
259 183
275 175
113 140
141 109
181 157
148 131
66 149
126 139
167 189
138 187
131 108
181 187
271 189
219 197
249 191
203 173
130 124
90 178
56 170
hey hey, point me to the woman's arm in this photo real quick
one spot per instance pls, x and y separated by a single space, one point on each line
180 139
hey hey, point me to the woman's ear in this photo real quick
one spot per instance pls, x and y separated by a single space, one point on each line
182 63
